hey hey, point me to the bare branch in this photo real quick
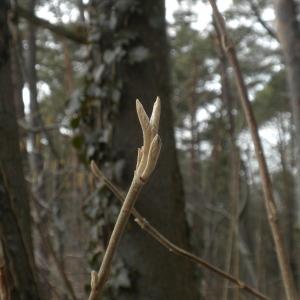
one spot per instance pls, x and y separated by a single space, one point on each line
48 244
262 22
270 205
57 29
161 239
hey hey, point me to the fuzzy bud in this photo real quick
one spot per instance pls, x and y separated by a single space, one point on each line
94 279
152 156
155 116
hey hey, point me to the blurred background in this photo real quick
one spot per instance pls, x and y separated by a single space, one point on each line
71 71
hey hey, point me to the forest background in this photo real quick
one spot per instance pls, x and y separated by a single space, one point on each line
71 71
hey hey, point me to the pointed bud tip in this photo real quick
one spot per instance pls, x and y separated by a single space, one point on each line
95 170
155 145
157 102
138 105
93 164
94 279
138 102
155 116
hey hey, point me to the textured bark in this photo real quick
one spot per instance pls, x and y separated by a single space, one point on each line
20 273
289 36
17 71
155 274
36 159
232 247
14 204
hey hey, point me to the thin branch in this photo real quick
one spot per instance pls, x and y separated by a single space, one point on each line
45 280
38 129
47 242
146 162
161 239
261 21
284 265
36 118
57 29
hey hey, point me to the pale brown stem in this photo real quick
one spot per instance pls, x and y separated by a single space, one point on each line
154 233
120 225
146 161
284 265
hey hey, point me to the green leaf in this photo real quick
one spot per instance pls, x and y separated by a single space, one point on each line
78 141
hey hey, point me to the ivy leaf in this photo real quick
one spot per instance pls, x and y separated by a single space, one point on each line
98 73
74 123
116 95
74 103
123 279
78 141
91 150
113 55
138 54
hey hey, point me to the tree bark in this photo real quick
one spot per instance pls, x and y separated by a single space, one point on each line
289 36
15 229
232 249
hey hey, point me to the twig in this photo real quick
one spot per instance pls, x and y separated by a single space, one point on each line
153 232
37 129
262 22
146 162
26 72
227 44
48 244
77 37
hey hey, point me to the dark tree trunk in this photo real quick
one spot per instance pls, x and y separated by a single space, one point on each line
144 73
289 37
14 205
36 159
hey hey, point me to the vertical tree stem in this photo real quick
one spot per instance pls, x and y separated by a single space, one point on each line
284 265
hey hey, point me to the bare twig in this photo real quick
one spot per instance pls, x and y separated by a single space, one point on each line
262 22
270 205
154 233
48 244
146 162
61 31
38 129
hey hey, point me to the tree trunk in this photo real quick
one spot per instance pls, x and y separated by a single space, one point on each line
144 74
232 249
14 202
289 36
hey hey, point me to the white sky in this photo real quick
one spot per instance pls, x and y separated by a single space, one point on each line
203 13
202 10
268 133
